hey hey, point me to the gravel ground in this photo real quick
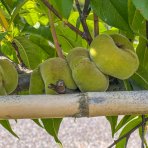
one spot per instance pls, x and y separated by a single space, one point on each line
74 133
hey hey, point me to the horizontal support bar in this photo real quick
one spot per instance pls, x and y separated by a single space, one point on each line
88 104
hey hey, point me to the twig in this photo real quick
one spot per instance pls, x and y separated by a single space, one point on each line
53 31
83 15
96 25
143 131
18 54
128 133
72 27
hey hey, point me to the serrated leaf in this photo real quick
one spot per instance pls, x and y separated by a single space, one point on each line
52 127
7 126
113 122
125 130
142 7
31 54
110 12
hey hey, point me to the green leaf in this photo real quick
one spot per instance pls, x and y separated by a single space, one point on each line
141 77
16 10
2 35
114 13
45 44
31 54
124 121
63 7
8 50
67 38
136 20
132 124
113 122
33 14
127 85
37 121
42 31
142 52
52 127
7 126
142 7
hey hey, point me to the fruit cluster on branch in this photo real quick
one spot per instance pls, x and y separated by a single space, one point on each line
86 70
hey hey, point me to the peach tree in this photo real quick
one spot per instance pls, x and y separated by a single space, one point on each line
89 45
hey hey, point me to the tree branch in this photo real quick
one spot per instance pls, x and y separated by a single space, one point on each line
143 131
83 15
128 133
18 54
72 27
96 25
53 32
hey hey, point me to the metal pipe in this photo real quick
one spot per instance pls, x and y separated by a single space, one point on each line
88 104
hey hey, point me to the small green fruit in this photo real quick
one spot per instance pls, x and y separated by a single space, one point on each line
56 69
75 55
88 77
8 77
85 73
114 55
36 83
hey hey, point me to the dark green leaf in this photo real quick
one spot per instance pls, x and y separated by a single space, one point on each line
16 10
63 7
2 35
113 122
142 7
141 77
136 20
127 85
113 12
7 126
52 127
8 50
37 121
142 52
31 54
42 31
46 45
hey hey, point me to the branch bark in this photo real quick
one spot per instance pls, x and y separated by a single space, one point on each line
54 35
83 15
96 25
